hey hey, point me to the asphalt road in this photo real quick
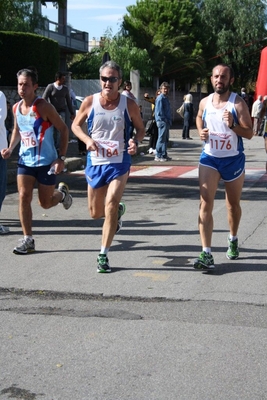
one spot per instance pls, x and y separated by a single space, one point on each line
153 329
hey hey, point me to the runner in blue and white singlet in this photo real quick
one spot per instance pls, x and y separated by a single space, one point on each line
222 121
37 145
110 146
222 141
109 130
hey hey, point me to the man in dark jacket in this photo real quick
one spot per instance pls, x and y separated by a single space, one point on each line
59 96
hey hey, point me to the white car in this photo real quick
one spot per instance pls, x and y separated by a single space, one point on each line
79 100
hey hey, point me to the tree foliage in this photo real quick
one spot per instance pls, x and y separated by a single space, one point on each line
86 66
170 32
234 33
122 51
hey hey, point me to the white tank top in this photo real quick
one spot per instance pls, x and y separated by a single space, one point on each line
223 141
108 129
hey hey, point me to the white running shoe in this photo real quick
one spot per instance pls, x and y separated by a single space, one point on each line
67 202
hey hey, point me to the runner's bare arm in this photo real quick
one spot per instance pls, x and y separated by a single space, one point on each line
244 126
79 120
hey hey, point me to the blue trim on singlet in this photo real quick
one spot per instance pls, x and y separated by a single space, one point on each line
240 144
127 131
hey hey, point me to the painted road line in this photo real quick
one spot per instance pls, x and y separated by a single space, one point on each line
184 172
149 171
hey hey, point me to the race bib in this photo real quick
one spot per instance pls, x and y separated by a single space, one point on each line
108 152
28 139
221 144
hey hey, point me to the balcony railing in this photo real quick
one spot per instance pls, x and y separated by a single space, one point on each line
69 39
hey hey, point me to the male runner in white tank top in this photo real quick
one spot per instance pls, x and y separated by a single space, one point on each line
223 120
109 148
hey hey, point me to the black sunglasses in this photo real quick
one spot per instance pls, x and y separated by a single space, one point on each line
111 79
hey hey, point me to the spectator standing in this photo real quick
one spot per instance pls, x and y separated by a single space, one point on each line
263 116
154 130
34 119
81 145
222 121
263 130
256 115
57 93
3 163
9 122
188 116
73 99
109 149
126 91
244 95
164 121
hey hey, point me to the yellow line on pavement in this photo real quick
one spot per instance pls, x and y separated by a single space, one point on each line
153 276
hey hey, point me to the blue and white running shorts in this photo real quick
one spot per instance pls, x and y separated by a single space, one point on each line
100 175
230 168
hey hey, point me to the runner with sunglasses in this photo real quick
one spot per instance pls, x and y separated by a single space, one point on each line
109 148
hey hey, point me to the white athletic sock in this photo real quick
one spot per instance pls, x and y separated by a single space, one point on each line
27 237
232 238
207 249
104 250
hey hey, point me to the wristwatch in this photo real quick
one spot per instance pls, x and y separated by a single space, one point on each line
234 125
62 158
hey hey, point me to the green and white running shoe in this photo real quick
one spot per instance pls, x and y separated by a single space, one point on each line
205 261
233 251
121 211
103 264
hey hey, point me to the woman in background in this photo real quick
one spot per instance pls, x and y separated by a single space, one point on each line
188 116
127 87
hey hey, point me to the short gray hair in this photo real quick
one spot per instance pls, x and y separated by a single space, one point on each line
164 84
111 64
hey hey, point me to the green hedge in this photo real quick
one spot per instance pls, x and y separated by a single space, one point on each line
20 50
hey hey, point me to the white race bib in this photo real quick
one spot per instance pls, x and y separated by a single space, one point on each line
28 139
108 152
221 144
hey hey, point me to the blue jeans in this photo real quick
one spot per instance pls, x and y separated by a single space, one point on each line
161 146
3 179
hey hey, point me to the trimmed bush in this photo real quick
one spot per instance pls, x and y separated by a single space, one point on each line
20 50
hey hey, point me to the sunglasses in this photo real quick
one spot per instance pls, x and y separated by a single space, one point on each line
111 79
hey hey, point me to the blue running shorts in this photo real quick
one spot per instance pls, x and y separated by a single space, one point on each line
100 175
39 173
230 168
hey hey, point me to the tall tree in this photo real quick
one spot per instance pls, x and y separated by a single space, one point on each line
234 31
122 50
170 31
